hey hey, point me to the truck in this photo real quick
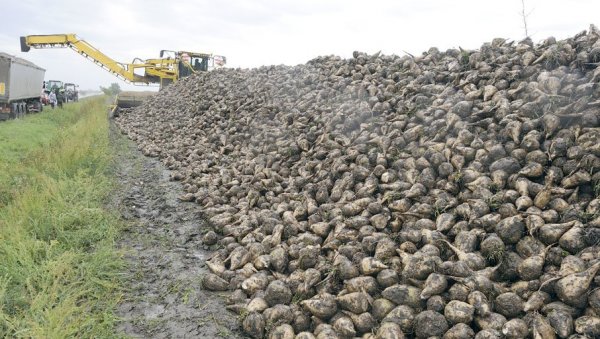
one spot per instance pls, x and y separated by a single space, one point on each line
20 87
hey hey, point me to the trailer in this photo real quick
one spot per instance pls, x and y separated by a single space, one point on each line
21 84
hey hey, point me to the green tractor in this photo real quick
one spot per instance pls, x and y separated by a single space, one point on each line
57 87
51 85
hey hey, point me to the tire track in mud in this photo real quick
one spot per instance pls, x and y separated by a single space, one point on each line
164 254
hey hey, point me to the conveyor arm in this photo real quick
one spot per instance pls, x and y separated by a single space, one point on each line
154 70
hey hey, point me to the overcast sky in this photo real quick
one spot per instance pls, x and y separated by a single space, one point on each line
252 33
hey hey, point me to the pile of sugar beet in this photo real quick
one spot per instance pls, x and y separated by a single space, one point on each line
454 194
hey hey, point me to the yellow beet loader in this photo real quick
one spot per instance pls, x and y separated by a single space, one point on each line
168 68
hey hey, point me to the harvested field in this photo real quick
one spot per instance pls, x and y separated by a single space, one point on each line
453 194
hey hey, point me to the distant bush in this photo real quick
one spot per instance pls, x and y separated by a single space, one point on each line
112 90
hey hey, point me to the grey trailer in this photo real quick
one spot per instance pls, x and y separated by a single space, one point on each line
21 84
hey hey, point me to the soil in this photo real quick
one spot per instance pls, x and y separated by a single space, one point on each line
164 255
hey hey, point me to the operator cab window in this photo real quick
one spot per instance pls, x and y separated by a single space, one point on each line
200 64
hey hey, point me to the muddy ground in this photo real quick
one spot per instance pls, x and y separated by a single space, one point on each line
165 257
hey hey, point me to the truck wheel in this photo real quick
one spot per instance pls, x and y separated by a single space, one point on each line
14 111
37 107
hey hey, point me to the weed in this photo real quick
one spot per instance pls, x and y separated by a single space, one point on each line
597 189
325 215
464 58
298 297
59 275
457 178
494 188
154 324
496 255
222 331
393 154
493 203
243 314
411 111
437 210
174 287
392 196
187 294
268 328
396 237
586 217
553 57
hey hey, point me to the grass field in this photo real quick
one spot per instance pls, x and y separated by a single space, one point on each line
59 267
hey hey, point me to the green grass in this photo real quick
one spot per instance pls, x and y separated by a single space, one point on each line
59 267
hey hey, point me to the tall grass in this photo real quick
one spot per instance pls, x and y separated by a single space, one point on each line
58 262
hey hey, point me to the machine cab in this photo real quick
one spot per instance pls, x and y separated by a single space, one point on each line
52 85
188 62
192 63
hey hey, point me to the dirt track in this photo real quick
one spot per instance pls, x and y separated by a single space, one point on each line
164 255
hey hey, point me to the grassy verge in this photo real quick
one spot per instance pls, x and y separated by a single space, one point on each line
58 262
